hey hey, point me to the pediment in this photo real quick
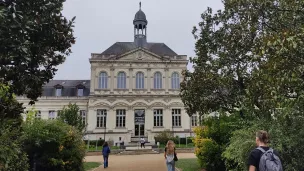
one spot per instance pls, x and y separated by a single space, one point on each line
140 55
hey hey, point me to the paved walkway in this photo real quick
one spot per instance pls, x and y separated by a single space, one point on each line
148 162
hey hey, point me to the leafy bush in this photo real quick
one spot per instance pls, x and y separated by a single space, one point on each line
208 152
164 137
12 158
212 139
183 140
71 116
93 142
53 145
286 136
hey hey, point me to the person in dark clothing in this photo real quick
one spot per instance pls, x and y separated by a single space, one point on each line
105 153
262 140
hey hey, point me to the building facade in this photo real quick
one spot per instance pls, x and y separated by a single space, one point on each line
133 91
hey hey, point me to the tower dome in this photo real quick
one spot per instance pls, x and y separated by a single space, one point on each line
140 16
140 28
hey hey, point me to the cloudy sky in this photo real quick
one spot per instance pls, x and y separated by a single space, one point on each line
100 23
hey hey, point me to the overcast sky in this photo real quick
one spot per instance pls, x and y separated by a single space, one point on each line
101 23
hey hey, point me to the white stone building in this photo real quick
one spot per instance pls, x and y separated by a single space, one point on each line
133 91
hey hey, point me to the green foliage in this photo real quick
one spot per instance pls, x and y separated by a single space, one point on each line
164 137
35 37
212 139
249 61
53 145
12 158
71 116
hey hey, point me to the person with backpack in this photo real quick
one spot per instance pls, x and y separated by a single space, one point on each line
264 158
105 153
170 155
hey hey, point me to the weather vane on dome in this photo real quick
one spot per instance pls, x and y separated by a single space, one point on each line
140 5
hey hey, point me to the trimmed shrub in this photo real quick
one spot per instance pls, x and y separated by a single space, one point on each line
53 146
164 137
208 152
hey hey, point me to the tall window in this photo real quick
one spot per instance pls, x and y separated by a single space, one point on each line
80 92
52 114
140 80
83 115
121 118
176 117
121 80
194 120
101 118
158 117
103 80
175 84
158 81
58 91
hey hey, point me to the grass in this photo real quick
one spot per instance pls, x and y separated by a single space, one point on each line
188 164
99 148
91 165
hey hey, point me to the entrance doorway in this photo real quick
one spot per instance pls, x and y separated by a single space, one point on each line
139 122
140 130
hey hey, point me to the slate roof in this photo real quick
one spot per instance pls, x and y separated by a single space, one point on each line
119 48
69 87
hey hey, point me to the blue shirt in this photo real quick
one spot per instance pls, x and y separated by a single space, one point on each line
106 151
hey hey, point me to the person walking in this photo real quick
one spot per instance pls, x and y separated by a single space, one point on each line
142 142
105 153
259 156
170 155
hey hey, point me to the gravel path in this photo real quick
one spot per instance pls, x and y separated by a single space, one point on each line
149 162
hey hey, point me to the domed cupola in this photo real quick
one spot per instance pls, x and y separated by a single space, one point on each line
140 28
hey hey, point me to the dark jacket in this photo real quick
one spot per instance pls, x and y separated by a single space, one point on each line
106 151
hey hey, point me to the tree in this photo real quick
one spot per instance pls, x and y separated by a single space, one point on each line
52 145
247 58
11 156
249 61
35 38
71 115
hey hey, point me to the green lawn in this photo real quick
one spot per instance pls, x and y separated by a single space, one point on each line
99 148
188 164
91 165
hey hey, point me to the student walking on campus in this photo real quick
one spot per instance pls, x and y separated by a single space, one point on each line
105 153
264 158
170 155
142 142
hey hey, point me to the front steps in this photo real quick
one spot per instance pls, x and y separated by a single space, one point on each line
138 152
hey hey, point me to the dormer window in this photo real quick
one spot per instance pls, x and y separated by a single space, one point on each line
80 92
58 89
80 89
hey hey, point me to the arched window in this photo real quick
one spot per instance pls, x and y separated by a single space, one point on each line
175 84
103 80
140 80
121 80
158 81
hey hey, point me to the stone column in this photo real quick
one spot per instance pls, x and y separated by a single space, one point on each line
167 80
167 120
111 119
130 80
91 119
112 79
149 80
93 80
